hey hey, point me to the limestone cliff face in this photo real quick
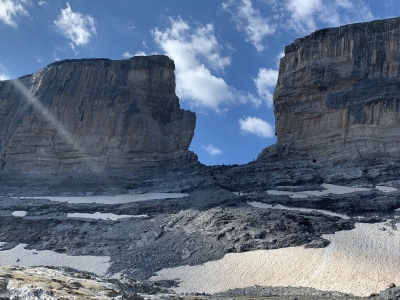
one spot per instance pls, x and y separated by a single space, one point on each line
93 115
338 94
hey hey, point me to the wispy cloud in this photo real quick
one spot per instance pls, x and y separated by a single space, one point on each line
140 53
131 26
73 48
41 2
212 150
305 14
127 54
256 126
265 83
75 26
3 76
56 51
11 10
39 59
250 21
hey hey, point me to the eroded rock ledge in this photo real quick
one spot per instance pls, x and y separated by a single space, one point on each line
95 115
337 98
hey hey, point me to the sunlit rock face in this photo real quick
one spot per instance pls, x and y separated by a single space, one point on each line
94 115
338 94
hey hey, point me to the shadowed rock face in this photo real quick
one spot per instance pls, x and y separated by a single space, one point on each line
94 115
338 94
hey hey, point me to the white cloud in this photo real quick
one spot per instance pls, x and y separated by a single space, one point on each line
302 13
256 126
212 150
191 50
10 10
265 83
305 14
41 2
127 55
75 26
250 21
302 16
196 51
3 76
140 53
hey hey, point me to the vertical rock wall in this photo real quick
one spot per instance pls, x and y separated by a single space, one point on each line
94 115
338 94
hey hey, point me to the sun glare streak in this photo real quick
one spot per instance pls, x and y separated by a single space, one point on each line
32 99
46 113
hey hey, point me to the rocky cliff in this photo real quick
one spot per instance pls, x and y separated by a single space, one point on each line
338 95
94 115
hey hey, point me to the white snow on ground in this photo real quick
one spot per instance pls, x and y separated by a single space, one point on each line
19 213
19 256
118 199
329 189
385 189
360 261
103 216
306 210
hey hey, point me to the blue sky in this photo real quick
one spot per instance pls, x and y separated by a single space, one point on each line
226 52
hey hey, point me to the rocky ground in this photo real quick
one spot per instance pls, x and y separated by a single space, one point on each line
210 222
175 232
49 283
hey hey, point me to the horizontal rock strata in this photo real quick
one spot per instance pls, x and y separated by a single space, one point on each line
94 115
338 94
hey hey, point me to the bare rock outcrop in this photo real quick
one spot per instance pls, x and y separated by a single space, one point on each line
338 95
95 115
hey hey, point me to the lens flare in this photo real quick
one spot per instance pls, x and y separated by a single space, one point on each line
32 99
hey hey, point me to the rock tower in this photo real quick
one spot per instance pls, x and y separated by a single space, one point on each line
94 115
338 95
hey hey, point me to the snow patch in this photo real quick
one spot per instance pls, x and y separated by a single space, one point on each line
19 256
306 210
118 199
386 189
102 216
361 261
19 213
329 189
